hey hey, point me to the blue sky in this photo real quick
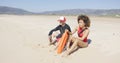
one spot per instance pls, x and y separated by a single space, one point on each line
51 5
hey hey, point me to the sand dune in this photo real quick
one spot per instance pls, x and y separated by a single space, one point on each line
23 39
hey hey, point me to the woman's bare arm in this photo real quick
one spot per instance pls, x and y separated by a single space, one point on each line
75 29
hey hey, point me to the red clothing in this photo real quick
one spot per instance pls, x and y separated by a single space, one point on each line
80 34
58 39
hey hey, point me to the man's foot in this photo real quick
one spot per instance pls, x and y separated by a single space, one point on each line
50 44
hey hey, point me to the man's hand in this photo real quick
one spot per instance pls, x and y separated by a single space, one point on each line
50 38
66 30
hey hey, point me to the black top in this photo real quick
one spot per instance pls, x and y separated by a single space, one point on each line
61 28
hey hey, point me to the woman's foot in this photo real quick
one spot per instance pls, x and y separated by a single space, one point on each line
65 54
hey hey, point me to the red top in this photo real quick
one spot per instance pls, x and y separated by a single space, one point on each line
80 34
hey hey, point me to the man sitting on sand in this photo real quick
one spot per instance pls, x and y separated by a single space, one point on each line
54 33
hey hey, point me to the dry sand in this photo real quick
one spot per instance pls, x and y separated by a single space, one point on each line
23 39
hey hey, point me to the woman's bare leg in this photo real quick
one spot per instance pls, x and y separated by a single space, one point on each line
82 44
68 42
72 48
76 42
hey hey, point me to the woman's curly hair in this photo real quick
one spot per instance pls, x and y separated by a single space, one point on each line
85 19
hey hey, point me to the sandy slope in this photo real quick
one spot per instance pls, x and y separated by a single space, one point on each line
23 39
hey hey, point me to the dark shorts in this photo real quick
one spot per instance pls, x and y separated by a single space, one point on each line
58 37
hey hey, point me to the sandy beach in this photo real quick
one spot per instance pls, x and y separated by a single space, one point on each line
24 39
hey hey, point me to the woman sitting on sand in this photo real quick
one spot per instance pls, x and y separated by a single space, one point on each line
82 31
